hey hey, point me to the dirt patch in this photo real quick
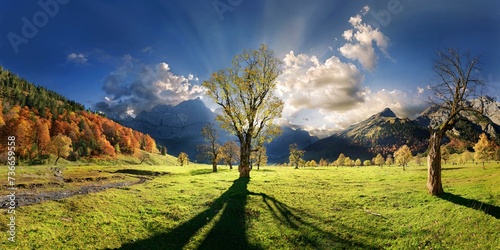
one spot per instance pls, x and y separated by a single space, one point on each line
24 199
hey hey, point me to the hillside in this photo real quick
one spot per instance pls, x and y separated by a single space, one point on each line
17 91
381 133
35 116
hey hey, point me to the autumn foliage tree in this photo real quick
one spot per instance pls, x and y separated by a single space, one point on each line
403 156
379 160
483 149
60 146
183 159
230 153
246 93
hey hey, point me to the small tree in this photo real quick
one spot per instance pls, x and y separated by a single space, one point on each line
210 151
312 163
358 162
466 156
340 161
347 161
403 156
295 155
367 163
60 146
163 150
230 153
445 154
144 157
323 162
260 157
389 161
379 160
484 149
183 159
418 159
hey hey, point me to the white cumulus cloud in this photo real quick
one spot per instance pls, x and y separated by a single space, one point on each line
360 43
307 83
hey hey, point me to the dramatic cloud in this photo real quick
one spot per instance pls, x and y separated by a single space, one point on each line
135 87
326 97
307 83
360 42
77 58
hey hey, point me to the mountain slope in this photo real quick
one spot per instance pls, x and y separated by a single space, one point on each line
381 133
468 129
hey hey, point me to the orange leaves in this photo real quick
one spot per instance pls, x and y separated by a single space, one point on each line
89 134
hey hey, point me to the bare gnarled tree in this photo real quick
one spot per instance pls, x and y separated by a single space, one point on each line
458 83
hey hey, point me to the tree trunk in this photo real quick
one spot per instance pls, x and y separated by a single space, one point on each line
214 167
230 165
434 185
57 159
244 167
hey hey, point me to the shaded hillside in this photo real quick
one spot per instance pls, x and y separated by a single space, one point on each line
176 127
331 147
179 129
279 147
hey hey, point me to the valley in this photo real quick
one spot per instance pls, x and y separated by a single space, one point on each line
309 208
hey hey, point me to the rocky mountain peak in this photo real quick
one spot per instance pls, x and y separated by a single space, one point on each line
387 112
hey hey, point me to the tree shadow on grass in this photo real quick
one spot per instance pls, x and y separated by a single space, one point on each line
308 234
471 203
229 231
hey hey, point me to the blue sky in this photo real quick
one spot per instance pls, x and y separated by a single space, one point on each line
343 60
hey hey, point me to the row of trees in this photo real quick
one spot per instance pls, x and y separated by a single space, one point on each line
88 134
484 150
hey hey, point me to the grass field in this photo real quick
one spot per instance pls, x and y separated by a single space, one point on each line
278 208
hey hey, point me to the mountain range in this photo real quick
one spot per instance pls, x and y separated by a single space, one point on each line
179 129
384 133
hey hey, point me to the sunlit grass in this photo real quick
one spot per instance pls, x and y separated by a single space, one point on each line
279 208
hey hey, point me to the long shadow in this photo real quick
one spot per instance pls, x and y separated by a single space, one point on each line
471 203
229 231
296 219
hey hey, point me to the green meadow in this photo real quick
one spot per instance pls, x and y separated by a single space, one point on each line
190 207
